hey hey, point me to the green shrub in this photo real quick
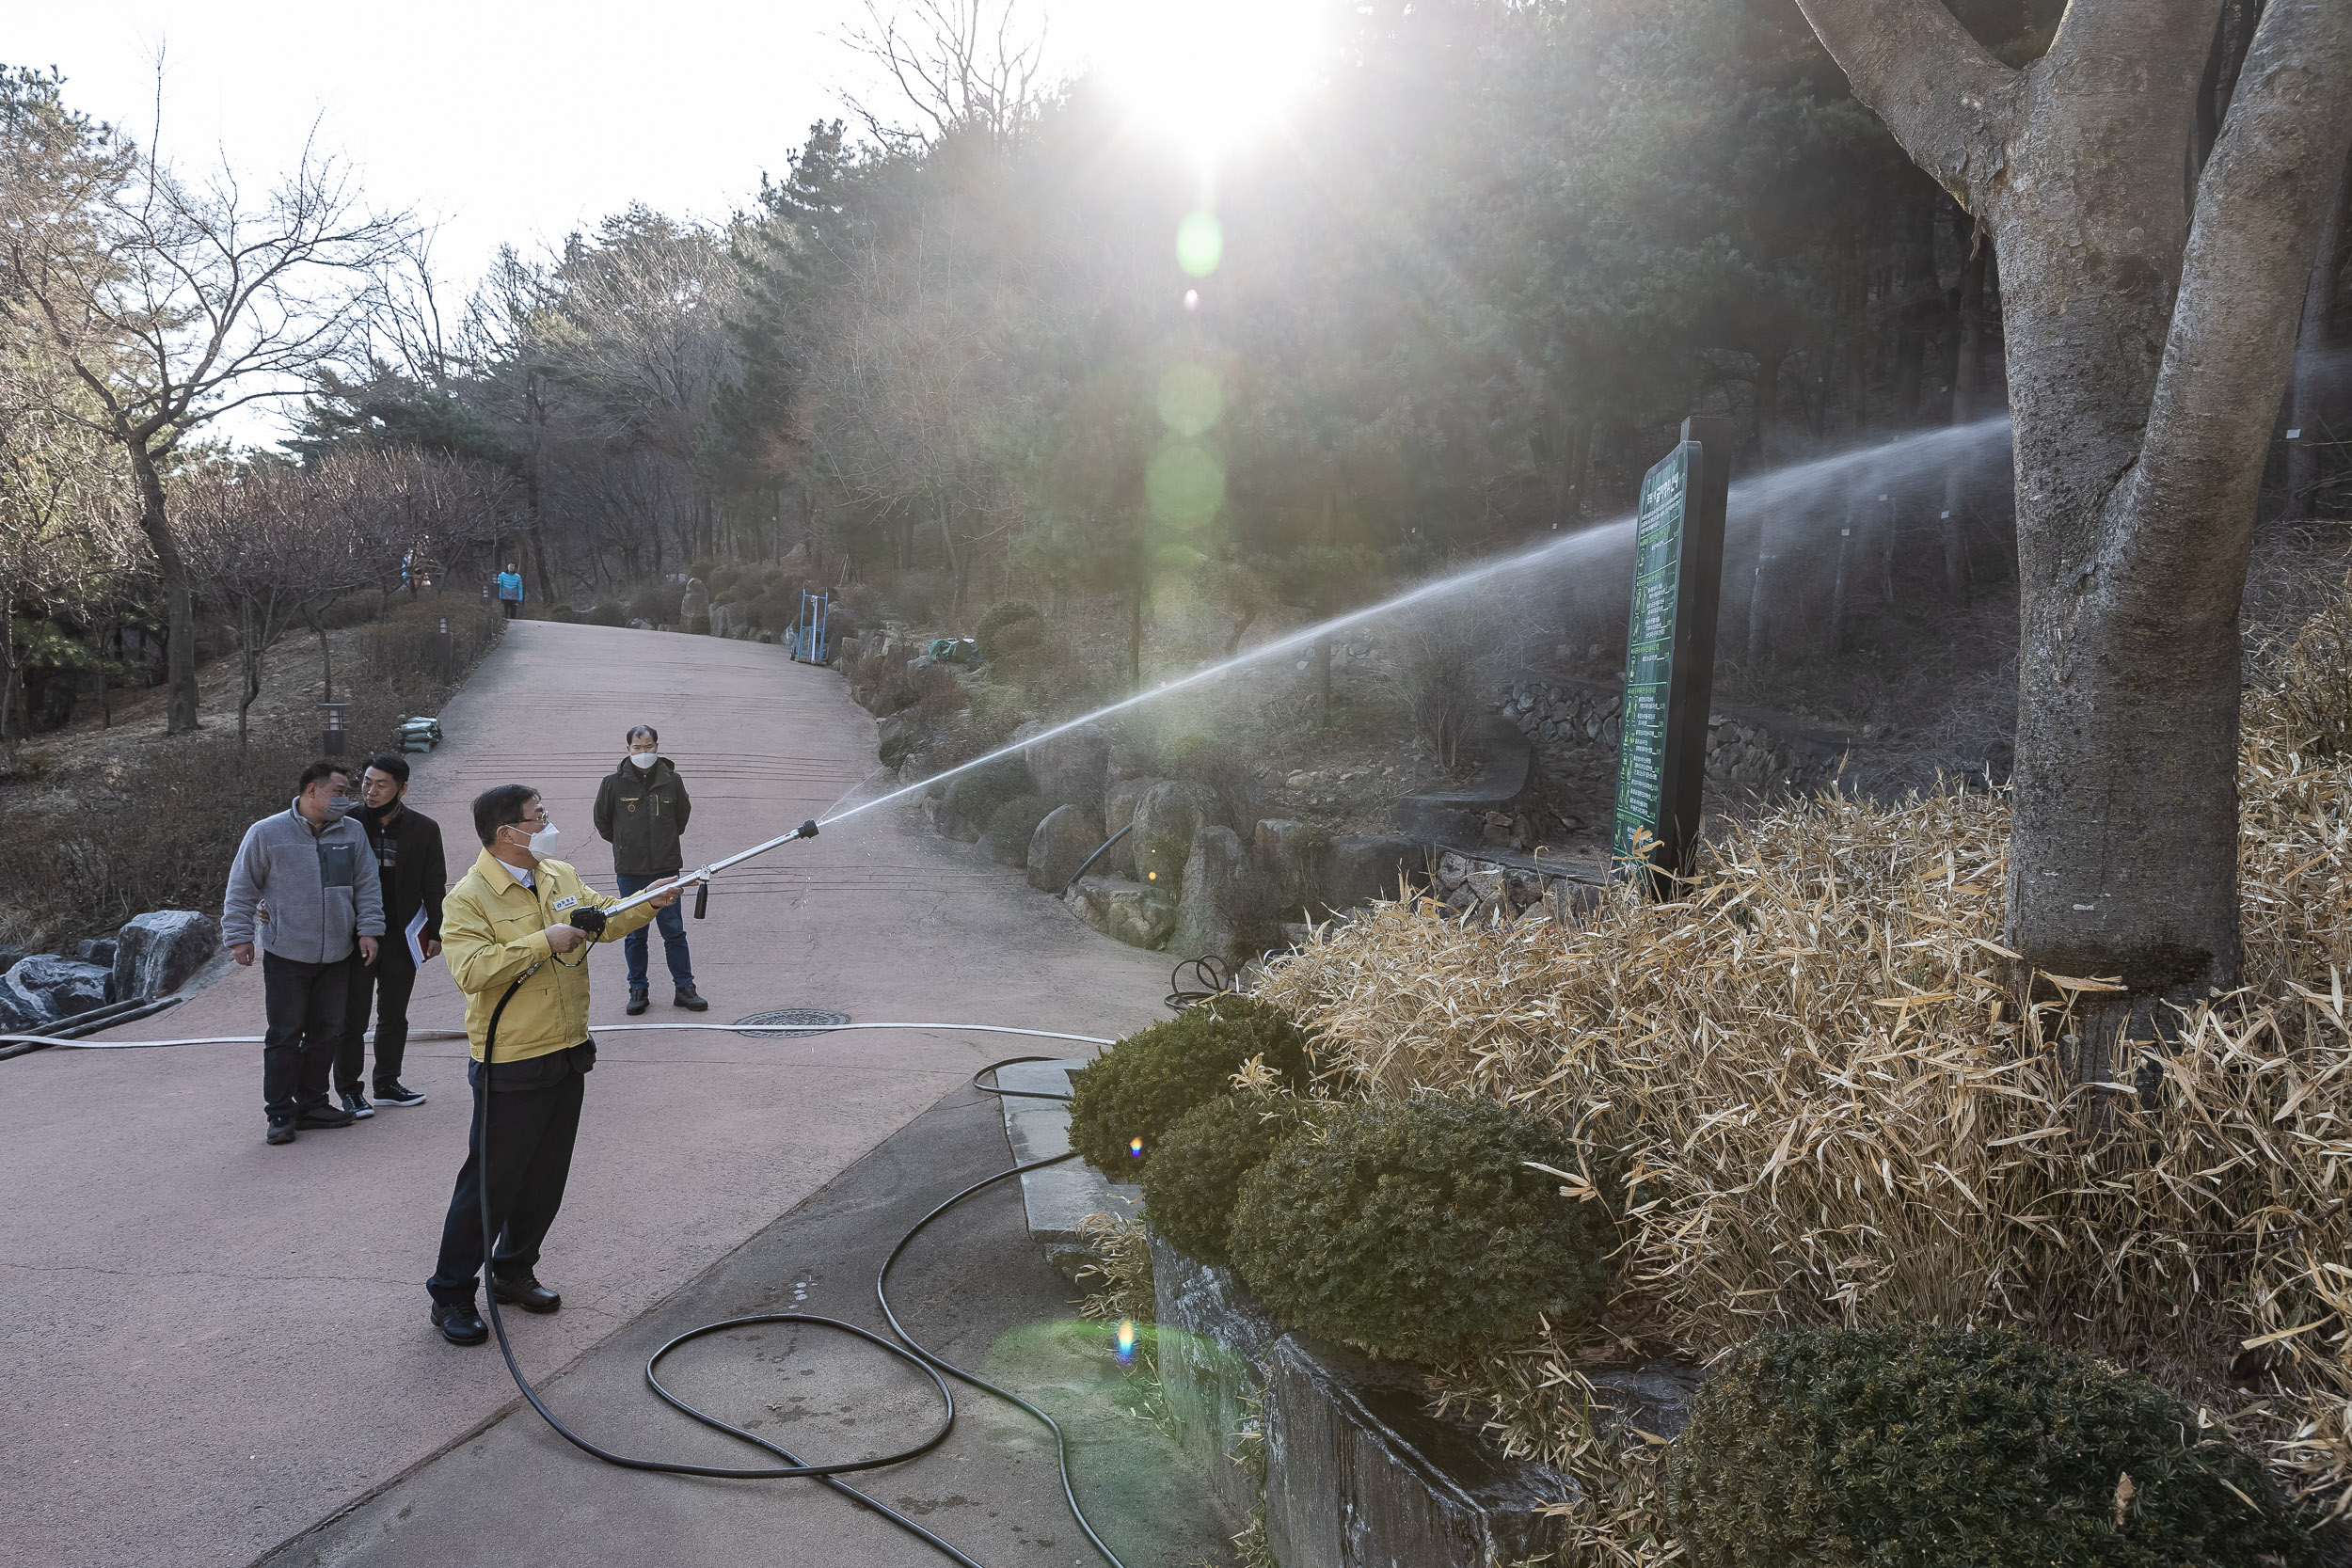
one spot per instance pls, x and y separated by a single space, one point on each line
1139 1087
1935 1448
896 750
1191 1182
1011 827
997 710
1414 1229
1016 637
973 797
998 618
606 614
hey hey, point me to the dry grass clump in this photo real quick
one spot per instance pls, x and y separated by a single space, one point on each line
1810 1090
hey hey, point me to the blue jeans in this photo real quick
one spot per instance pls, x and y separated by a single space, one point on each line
673 924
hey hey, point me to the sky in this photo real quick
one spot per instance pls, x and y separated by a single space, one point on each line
520 122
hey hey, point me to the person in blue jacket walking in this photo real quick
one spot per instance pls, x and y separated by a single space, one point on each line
511 590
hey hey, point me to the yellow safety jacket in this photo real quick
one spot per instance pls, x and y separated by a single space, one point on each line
494 928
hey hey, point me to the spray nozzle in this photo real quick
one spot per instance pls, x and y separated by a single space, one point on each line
808 828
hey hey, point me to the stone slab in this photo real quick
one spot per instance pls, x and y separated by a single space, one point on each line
1057 1198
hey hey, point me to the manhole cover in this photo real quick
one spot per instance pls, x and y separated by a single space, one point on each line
784 1023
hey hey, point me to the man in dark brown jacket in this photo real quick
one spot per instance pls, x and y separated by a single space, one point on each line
641 810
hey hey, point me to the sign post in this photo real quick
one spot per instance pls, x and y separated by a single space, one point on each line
1670 656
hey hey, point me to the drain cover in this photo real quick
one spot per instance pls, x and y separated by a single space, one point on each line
785 1023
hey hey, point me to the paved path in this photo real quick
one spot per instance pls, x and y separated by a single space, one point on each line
212 1345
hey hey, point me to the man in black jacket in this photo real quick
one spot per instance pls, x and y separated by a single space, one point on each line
414 874
641 811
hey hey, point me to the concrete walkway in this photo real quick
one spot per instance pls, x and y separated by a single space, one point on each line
213 1345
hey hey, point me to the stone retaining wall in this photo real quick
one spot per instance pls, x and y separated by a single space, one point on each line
1574 727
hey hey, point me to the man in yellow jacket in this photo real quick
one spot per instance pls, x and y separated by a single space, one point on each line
507 937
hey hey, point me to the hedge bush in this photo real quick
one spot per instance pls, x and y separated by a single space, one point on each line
997 617
1414 1229
1011 827
1190 1185
1138 1089
1935 1448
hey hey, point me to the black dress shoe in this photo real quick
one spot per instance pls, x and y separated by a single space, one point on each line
691 1002
526 1293
460 1325
324 1116
637 1003
281 1130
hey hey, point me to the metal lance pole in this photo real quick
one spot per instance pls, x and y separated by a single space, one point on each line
448 662
703 875
1670 658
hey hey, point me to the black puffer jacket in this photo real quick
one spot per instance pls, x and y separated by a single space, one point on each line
640 811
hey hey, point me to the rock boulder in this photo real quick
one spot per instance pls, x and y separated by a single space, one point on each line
1119 809
96 950
1069 768
1360 867
1217 910
1137 914
1167 820
156 953
57 988
1064 838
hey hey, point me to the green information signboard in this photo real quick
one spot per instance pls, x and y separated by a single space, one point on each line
1670 655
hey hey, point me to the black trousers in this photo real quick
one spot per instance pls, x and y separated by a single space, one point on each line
304 1005
387 983
512 607
531 1131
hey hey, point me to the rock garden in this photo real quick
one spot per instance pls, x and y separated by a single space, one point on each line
1760 1229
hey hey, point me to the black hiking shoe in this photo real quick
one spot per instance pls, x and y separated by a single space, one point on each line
281 1130
691 1002
460 1325
397 1093
637 1003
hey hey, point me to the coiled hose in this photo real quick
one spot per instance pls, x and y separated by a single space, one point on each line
908 1349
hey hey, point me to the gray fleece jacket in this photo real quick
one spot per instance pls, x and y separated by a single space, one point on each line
320 885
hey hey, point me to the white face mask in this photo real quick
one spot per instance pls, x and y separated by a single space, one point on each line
543 842
645 759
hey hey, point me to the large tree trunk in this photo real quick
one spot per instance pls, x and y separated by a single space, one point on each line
2146 358
1967 359
2310 348
179 601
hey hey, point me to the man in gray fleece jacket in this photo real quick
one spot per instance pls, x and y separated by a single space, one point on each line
307 880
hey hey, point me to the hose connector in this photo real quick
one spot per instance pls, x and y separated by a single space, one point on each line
808 828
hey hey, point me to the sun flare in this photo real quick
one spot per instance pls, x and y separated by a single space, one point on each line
1209 74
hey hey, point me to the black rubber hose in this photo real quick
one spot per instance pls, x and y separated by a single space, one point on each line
794 1466
1096 856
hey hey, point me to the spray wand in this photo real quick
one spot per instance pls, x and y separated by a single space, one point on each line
702 876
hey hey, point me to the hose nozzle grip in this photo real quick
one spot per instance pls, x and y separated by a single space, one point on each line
588 919
808 828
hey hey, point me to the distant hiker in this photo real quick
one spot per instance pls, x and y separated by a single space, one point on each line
311 863
511 590
414 875
641 810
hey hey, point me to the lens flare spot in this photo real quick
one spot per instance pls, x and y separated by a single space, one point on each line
1192 398
1192 300
1200 243
1134 1145
1185 482
1126 1340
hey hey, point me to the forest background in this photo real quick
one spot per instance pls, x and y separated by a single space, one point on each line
991 342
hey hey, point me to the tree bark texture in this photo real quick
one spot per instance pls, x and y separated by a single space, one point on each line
2149 341
2311 351
1967 364
179 601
